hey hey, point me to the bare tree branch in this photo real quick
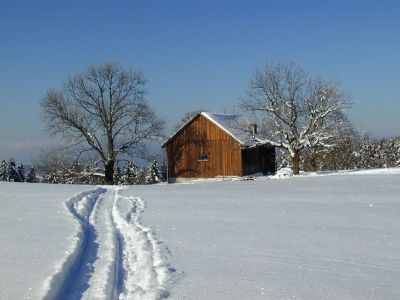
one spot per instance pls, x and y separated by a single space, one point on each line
295 106
104 110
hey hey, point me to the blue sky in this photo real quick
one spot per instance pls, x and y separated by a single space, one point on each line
195 54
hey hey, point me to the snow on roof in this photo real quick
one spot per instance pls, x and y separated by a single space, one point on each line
236 126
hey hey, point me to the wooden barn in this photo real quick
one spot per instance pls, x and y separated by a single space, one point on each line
211 145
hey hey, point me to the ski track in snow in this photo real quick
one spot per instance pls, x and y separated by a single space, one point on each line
112 255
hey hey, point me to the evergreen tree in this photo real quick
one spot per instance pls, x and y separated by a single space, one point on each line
12 174
164 170
390 153
125 175
142 175
134 172
397 152
21 171
117 175
368 153
378 154
52 177
350 153
74 173
130 174
154 174
93 177
3 171
31 177
77 168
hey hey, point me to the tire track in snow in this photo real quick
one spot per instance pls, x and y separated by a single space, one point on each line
65 280
95 273
112 255
105 276
145 268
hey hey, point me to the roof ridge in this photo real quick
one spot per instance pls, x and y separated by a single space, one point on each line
228 129
223 121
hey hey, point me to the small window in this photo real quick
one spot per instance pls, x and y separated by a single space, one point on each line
202 158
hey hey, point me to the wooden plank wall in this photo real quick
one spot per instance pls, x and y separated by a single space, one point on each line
203 137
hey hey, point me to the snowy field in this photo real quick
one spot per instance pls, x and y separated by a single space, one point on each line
335 235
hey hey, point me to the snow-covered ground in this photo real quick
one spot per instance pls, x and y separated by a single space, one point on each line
332 235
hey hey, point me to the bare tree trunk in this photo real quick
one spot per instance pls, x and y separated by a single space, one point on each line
109 173
301 110
314 161
103 110
295 161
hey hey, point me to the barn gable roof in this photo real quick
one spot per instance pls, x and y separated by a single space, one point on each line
234 125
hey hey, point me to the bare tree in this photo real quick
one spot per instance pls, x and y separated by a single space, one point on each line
55 158
299 109
103 110
58 164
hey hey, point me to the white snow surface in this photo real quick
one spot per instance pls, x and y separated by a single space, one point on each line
327 235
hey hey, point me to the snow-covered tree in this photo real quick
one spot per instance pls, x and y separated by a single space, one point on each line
74 173
340 155
396 150
52 177
77 167
154 174
142 175
129 174
58 164
282 159
368 155
90 175
349 153
164 170
388 152
117 175
371 153
31 177
3 171
300 111
12 173
21 171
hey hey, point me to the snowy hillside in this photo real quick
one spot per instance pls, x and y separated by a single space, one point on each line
327 236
